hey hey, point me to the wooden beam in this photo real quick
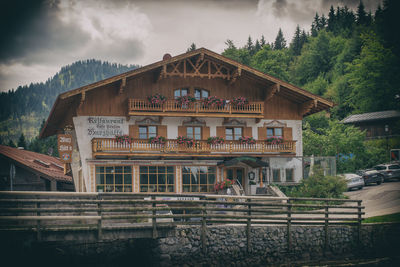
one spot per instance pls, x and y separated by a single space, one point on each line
83 97
237 73
274 90
308 106
199 59
122 85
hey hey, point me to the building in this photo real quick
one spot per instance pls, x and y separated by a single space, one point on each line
382 124
186 162
22 170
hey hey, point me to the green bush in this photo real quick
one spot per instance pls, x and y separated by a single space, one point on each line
318 186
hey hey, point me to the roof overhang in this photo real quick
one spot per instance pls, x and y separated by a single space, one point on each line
309 103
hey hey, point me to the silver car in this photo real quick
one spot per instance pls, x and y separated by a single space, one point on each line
353 181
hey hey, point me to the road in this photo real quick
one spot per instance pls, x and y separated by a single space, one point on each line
379 199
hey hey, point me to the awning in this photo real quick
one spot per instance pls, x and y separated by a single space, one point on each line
251 161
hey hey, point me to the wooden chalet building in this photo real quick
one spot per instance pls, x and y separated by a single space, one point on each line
94 114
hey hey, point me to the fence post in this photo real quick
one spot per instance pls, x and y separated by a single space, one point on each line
326 225
359 221
38 227
153 219
99 221
289 225
203 229
248 225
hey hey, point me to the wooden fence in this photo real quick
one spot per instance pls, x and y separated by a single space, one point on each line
42 211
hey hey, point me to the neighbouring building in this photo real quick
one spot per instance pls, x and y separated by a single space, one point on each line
186 99
22 170
382 124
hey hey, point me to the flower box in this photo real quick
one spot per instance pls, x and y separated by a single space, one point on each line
157 99
159 140
240 101
224 185
123 139
186 141
213 101
247 140
183 101
274 140
215 140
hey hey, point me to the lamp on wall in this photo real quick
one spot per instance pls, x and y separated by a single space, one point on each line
251 176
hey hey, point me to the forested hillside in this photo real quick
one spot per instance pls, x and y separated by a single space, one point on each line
350 57
23 110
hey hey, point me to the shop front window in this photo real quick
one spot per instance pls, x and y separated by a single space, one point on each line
114 178
157 179
196 179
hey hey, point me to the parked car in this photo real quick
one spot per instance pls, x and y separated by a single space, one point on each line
371 176
353 181
389 171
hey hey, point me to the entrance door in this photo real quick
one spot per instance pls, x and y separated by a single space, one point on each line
237 174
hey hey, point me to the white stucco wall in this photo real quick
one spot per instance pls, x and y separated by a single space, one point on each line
88 127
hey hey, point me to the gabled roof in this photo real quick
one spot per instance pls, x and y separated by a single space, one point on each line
372 116
312 103
46 166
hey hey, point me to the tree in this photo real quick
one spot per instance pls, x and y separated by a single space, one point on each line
192 47
257 46
250 46
11 143
296 43
262 41
21 141
280 41
361 15
315 25
331 20
273 62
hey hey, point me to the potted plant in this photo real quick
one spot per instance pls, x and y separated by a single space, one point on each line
215 140
159 140
183 140
223 186
240 101
157 99
183 101
123 139
213 101
247 140
275 140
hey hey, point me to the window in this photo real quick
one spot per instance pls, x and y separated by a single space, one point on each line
157 179
200 93
145 132
276 175
289 175
180 92
198 179
193 132
274 132
114 178
233 133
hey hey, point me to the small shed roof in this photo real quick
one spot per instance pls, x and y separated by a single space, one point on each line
372 116
46 166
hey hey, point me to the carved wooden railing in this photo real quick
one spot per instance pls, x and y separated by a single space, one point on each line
141 105
109 145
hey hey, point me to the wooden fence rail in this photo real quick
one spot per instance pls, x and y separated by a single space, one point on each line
44 211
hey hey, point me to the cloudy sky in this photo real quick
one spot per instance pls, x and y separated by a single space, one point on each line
41 36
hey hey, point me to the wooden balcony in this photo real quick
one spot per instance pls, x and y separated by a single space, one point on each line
141 147
141 107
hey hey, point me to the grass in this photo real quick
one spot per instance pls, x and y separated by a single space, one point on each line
395 217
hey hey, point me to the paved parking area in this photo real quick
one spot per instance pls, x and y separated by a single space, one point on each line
379 199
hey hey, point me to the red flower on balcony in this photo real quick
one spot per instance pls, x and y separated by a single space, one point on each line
159 140
215 140
247 140
213 101
183 140
275 140
123 139
226 183
157 99
183 101
240 101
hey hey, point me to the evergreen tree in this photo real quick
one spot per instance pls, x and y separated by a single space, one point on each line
262 41
361 14
230 44
322 22
21 141
315 25
11 143
280 42
331 20
257 46
192 47
250 46
303 38
296 44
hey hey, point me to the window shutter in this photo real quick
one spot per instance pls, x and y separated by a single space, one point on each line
247 131
181 131
134 131
287 134
205 133
221 131
162 131
262 133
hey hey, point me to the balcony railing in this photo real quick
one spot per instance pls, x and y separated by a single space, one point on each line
108 146
199 109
